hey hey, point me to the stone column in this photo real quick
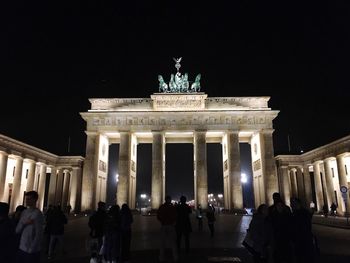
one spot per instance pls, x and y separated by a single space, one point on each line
65 194
329 181
89 173
318 186
285 184
75 192
59 187
124 168
3 169
200 149
326 197
269 165
52 186
234 166
300 185
157 169
307 185
16 184
343 180
293 180
31 175
41 187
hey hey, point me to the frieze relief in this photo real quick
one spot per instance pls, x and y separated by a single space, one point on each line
182 120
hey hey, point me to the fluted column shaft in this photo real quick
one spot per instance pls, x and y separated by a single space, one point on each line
59 187
3 169
41 187
318 186
65 194
300 185
307 185
16 184
124 168
234 166
157 170
343 180
75 191
269 165
329 181
52 186
293 180
89 173
285 184
31 176
200 149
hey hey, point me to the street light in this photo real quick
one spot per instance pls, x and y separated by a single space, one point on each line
143 196
117 177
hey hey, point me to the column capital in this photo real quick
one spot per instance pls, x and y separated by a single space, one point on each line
3 153
342 155
232 132
29 160
267 131
329 159
91 133
157 132
317 162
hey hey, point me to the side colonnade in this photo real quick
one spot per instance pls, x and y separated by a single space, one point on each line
320 176
23 168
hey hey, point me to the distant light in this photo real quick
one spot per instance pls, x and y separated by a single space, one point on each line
143 196
117 177
220 196
301 151
149 200
244 178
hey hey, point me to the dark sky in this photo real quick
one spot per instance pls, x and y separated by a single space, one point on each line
56 55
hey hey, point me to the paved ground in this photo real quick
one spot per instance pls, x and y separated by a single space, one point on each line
224 247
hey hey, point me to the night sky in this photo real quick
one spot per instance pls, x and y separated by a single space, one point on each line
55 56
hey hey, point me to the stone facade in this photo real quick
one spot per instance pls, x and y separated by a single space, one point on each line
25 168
317 175
180 118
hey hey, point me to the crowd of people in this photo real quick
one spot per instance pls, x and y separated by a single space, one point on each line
276 233
110 233
281 233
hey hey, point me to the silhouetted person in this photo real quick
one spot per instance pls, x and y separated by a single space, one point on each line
302 233
259 234
199 216
56 230
333 209
167 216
126 220
325 210
279 219
97 222
8 247
183 224
48 223
69 208
111 238
211 219
30 226
15 219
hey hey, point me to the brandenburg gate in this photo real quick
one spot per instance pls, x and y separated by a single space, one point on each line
179 113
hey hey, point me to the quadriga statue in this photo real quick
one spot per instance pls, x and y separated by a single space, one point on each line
163 87
196 85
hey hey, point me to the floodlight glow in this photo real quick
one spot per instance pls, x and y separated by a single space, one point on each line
244 178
